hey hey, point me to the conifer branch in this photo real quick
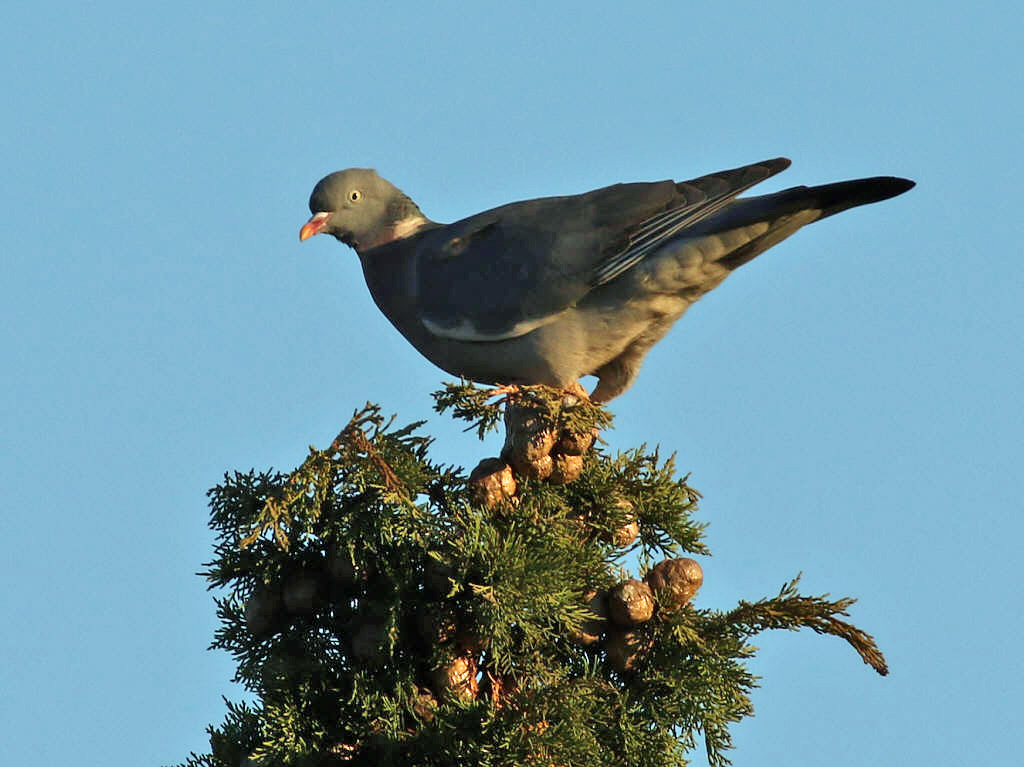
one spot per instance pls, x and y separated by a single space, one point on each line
792 611
312 480
357 437
560 410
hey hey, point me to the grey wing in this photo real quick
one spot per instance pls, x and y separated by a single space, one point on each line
705 197
494 280
505 273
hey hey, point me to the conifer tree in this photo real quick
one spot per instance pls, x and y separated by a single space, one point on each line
384 609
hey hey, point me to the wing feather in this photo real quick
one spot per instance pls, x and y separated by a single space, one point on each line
506 272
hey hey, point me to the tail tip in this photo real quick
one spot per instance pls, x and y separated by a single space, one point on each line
894 185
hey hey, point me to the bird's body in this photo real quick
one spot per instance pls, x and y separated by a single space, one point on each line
546 291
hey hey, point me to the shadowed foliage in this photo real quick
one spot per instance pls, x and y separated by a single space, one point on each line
383 609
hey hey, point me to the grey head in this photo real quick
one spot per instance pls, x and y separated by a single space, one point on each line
361 209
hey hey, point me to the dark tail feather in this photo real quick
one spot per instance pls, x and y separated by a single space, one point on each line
828 198
835 198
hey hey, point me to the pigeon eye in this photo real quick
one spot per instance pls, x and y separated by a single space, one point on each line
355 195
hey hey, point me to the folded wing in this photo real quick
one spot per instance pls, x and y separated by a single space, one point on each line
506 272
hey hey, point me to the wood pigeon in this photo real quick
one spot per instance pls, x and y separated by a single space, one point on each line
548 290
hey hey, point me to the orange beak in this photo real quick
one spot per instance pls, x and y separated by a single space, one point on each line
315 225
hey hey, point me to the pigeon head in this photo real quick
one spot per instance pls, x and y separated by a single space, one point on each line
361 209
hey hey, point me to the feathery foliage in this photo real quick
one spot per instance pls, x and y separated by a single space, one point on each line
380 612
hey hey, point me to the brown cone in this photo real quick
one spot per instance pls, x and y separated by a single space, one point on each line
626 649
457 679
526 438
492 483
263 611
631 603
675 581
565 468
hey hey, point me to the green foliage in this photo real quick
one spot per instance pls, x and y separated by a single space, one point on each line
381 614
483 407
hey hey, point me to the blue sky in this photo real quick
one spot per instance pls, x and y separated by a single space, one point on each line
849 403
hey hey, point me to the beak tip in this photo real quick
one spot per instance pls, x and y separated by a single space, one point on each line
315 225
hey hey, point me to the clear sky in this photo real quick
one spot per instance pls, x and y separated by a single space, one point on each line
849 404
